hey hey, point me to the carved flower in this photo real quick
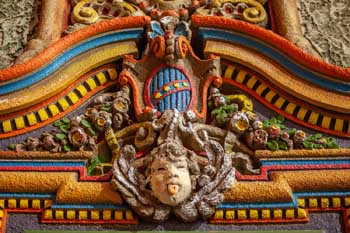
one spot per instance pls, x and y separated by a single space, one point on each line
239 123
299 136
77 137
260 139
257 125
49 143
121 105
102 119
274 131
32 143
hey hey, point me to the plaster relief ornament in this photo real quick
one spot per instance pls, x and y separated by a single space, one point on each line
251 11
87 12
169 162
169 75
185 173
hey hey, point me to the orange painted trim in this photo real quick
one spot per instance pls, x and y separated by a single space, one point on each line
217 81
276 41
56 48
57 96
126 78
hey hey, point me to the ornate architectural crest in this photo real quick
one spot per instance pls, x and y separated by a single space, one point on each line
158 109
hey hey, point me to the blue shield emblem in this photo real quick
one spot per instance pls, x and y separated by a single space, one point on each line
169 89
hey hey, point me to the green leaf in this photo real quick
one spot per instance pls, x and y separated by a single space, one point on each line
273 120
331 144
272 145
280 118
315 137
11 146
282 126
308 145
107 109
64 128
317 146
330 139
85 123
58 123
67 148
65 120
93 165
215 111
282 145
266 124
221 117
91 132
60 136
229 108
291 132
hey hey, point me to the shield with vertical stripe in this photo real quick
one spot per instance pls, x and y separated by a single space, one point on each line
169 88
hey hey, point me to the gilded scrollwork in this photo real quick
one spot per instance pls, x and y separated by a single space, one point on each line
247 10
86 12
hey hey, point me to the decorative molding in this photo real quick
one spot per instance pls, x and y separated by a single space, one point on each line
58 106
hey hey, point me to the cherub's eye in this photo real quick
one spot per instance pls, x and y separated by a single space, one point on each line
181 166
161 169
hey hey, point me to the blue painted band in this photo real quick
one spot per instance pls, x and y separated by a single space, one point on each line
283 205
68 164
27 195
272 205
68 55
304 162
89 206
276 55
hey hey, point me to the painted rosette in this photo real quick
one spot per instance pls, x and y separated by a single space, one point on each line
169 89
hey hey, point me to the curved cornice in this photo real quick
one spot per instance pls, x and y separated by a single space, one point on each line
47 55
263 36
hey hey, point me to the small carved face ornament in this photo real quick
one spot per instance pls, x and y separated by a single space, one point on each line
170 180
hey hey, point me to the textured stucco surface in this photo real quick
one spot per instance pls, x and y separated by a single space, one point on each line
16 24
326 24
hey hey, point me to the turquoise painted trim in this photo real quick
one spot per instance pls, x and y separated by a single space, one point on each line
68 55
27 195
304 162
278 56
68 164
283 205
89 206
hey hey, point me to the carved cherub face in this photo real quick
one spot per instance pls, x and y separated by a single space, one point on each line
170 177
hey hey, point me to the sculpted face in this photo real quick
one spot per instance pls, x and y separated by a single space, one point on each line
170 180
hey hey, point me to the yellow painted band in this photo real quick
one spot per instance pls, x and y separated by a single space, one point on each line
60 80
229 72
280 77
